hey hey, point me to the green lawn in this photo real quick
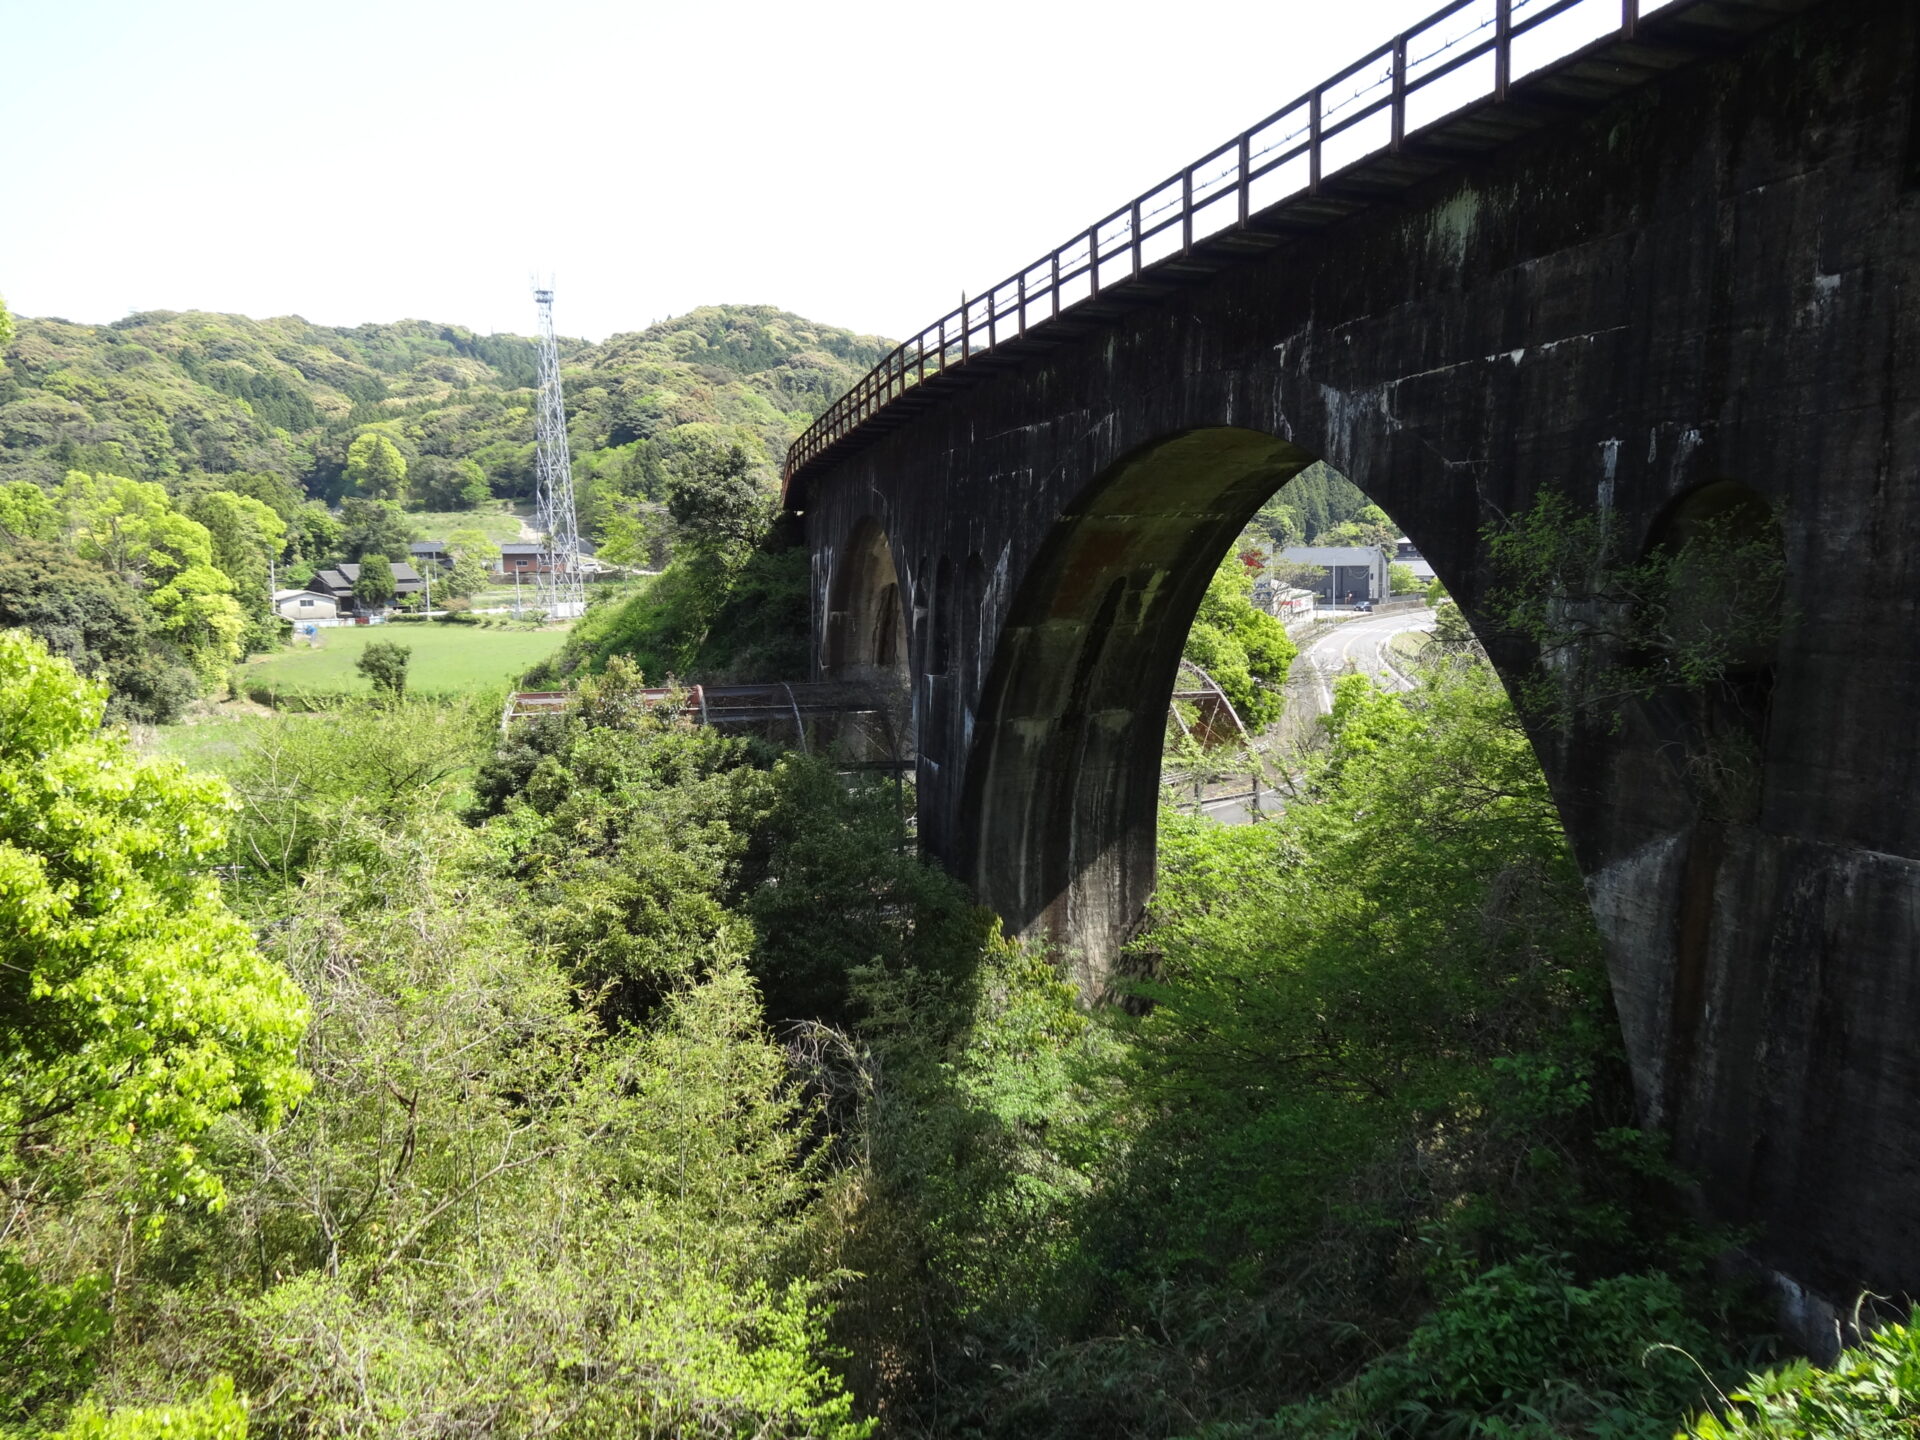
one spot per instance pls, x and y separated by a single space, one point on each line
501 525
208 743
447 659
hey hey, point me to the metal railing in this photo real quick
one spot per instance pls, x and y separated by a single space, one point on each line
1466 52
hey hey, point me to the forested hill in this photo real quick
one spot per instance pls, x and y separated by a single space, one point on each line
172 396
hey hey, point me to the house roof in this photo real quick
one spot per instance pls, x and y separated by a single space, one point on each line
1334 555
428 547
341 578
527 547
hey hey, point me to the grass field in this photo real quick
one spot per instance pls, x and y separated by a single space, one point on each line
447 660
209 742
501 525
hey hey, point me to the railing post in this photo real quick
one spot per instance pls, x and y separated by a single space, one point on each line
1502 47
1186 211
920 344
943 344
993 317
1246 181
1023 302
1133 236
1093 258
966 328
1400 91
1313 140
1629 18
1054 290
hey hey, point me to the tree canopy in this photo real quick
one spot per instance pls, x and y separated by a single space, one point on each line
374 585
135 1007
376 468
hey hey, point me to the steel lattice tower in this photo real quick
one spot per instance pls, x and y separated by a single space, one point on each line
563 593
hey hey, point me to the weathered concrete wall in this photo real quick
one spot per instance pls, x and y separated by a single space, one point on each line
1717 279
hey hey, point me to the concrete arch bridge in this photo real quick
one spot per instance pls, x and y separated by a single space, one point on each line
1667 267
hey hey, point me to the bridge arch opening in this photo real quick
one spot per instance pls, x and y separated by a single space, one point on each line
866 633
1063 775
1716 564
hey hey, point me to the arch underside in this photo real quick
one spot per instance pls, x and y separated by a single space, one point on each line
1064 774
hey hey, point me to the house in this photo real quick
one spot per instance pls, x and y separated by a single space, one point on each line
298 605
532 558
1348 573
431 552
525 559
336 584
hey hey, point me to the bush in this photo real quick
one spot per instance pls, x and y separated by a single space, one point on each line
49 1337
1871 1392
217 1415
1524 1350
384 662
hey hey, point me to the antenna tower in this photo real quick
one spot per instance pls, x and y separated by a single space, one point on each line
563 593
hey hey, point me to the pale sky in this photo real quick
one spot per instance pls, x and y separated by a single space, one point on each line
858 162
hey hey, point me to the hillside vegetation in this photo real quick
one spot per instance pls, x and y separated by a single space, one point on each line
167 396
159 476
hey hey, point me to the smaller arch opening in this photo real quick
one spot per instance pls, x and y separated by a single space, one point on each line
1708 613
864 637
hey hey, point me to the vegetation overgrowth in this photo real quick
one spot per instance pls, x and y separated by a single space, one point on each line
648 1084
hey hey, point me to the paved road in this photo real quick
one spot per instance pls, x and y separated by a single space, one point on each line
1361 644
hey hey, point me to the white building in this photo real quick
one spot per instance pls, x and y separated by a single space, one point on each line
298 605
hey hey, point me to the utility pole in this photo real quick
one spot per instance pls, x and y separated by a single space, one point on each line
562 586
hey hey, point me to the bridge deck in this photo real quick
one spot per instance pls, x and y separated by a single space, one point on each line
1351 143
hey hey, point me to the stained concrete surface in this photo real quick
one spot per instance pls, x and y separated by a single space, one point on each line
1716 279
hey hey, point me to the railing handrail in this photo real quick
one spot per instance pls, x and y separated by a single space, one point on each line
958 337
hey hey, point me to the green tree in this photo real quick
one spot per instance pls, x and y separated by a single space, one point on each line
134 1008
248 539
196 607
439 482
469 576
502 1209
376 468
374 585
369 527
1279 523
1246 651
26 513
720 507
315 534
6 325
130 527
384 662
94 622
